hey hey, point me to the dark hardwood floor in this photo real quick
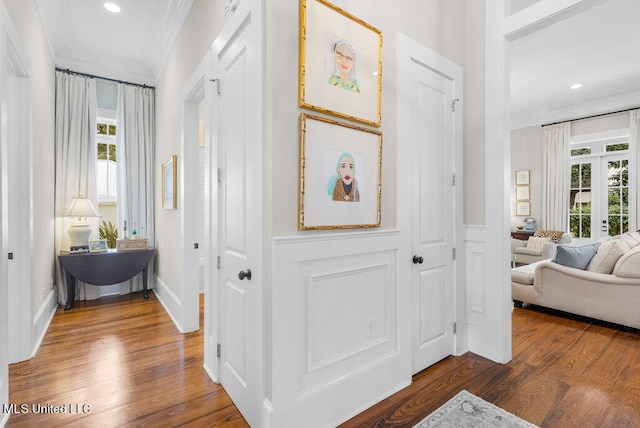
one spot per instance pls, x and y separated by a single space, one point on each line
123 359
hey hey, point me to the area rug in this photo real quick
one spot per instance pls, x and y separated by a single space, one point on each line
465 410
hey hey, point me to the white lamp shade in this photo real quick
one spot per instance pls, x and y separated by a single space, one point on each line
79 231
81 207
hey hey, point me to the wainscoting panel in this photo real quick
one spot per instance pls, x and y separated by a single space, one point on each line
336 326
359 320
475 249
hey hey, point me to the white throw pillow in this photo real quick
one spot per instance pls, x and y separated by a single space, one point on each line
537 243
608 254
631 238
628 266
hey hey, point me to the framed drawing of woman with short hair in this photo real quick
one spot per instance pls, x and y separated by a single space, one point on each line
340 63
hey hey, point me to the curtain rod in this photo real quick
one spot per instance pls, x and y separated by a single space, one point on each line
93 76
591 117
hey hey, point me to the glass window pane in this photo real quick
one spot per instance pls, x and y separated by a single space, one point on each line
625 173
112 130
585 173
574 225
586 226
112 152
617 147
614 225
581 152
102 129
575 176
614 201
624 203
102 151
625 224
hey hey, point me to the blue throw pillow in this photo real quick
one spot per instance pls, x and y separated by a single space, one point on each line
576 256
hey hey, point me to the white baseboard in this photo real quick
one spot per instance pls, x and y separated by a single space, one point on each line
170 302
42 319
210 373
4 420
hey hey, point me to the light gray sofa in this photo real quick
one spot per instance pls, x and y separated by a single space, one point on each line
524 255
612 297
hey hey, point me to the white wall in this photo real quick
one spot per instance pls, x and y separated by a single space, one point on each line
526 154
200 29
27 22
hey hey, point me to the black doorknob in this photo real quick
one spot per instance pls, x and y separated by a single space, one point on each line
242 275
417 260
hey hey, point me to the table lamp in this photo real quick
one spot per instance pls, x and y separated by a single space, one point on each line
79 231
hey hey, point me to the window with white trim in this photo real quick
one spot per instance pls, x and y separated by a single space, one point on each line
106 160
599 189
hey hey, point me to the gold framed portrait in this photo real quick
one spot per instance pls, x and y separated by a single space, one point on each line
340 64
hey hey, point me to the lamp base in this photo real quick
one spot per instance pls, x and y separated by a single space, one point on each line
79 234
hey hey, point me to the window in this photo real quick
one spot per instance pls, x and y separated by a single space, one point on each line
599 201
106 160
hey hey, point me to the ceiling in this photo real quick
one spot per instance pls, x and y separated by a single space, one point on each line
131 45
598 48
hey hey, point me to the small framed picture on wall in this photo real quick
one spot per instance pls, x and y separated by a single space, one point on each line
522 177
523 208
522 193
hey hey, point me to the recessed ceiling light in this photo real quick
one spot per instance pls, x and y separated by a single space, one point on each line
112 7
576 86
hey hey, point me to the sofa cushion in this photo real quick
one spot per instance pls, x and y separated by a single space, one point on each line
576 256
631 238
523 274
608 254
528 251
553 235
628 265
537 243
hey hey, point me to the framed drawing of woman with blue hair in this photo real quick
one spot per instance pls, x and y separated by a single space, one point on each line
340 175
340 63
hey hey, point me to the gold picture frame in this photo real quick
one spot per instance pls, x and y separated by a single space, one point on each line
340 64
169 181
523 208
522 177
522 193
340 180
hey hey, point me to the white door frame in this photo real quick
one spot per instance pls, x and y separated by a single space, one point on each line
492 337
17 142
193 95
408 51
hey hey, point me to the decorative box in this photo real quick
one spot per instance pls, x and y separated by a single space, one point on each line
132 244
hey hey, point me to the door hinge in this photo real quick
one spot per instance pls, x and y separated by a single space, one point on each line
219 176
455 328
217 82
454 253
218 262
10 256
453 104
453 179
218 350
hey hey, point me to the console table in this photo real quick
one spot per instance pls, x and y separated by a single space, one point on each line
523 235
105 268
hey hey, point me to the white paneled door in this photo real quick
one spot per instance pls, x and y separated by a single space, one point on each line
237 70
432 212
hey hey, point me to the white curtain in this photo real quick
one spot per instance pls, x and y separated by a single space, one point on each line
634 166
75 153
135 142
556 176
